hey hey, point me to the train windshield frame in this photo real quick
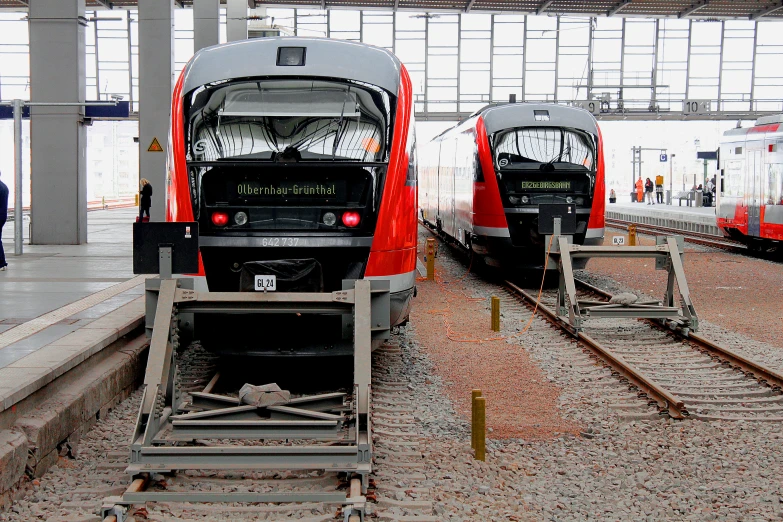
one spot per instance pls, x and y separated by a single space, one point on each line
289 119
544 148
325 140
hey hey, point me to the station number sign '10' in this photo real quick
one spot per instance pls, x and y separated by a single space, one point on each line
696 107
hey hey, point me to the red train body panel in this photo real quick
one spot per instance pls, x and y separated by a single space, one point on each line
749 196
482 181
291 148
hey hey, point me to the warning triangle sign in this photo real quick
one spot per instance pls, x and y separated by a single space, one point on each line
155 146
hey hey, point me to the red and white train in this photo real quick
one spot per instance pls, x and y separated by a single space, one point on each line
483 181
294 148
749 197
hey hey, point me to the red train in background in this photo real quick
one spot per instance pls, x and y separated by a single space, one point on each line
749 197
483 181
298 148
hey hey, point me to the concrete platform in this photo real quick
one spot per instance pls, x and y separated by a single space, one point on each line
687 219
62 304
71 341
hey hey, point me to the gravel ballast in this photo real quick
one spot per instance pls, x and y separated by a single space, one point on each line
627 463
569 441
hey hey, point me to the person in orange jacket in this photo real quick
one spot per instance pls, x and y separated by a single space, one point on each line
639 190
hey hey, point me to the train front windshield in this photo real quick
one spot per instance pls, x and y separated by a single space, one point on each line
539 165
287 152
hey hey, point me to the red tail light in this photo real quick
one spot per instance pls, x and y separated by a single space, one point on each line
351 219
219 219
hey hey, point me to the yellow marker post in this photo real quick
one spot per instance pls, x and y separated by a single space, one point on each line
495 313
481 428
430 253
475 394
632 235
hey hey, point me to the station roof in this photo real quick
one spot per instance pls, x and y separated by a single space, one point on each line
692 9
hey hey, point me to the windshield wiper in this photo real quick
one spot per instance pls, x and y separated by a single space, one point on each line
550 165
289 154
337 132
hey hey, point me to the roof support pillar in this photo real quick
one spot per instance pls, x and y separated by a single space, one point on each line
206 23
57 134
156 76
236 20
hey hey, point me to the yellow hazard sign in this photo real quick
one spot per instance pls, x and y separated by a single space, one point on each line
155 146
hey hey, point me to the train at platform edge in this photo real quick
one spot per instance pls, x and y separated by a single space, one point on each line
296 148
749 196
483 182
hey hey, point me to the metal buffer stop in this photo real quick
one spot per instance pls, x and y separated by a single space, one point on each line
337 431
667 252
557 223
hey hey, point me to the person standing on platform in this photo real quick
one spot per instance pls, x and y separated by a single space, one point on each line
3 219
659 188
648 188
639 190
709 192
146 199
612 196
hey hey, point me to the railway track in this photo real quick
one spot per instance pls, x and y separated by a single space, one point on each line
395 485
685 376
691 237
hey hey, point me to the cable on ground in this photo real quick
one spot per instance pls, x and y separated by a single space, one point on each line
540 289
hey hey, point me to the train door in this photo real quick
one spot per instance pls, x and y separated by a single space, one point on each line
428 181
753 191
463 183
448 149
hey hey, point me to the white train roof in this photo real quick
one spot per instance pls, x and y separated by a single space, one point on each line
765 127
323 58
508 116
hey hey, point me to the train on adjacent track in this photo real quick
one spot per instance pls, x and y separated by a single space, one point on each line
484 182
749 196
290 149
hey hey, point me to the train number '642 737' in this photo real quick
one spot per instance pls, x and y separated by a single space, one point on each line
279 241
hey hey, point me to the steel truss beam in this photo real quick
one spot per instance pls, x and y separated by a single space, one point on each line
764 12
626 115
106 3
693 8
619 7
544 6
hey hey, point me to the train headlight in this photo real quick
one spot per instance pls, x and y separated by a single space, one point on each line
525 200
351 219
219 219
580 201
240 218
513 199
569 199
330 219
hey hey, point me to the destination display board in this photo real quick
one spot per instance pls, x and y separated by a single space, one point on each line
257 191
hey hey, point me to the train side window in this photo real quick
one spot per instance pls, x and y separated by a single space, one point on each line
771 193
776 172
734 179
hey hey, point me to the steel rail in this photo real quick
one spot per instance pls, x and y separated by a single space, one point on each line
667 401
689 236
758 370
